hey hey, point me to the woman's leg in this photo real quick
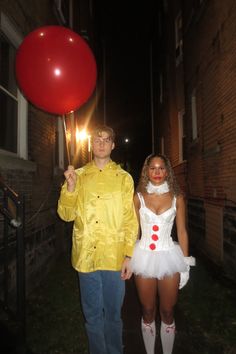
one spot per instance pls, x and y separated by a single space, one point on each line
168 293
147 291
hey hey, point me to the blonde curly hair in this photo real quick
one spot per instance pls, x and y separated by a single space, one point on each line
171 180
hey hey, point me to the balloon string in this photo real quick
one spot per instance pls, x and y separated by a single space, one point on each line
66 139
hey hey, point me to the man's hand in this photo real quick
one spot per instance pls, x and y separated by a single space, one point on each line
70 176
126 272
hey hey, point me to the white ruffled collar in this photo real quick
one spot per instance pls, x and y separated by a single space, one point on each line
161 189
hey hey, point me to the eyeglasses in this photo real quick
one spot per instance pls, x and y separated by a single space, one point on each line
102 140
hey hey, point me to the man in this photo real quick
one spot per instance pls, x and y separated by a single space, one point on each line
99 199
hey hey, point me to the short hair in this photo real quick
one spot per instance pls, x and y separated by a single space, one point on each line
97 131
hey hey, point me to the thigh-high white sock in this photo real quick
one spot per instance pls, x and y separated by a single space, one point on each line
167 337
149 336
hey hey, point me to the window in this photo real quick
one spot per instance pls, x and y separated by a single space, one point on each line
13 106
182 137
194 114
62 11
178 39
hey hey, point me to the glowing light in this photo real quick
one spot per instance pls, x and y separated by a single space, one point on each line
81 135
68 136
126 140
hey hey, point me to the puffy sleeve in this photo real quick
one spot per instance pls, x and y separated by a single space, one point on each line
130 217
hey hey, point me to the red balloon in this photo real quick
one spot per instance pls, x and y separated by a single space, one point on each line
55 69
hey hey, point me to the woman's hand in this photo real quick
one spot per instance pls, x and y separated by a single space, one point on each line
184 276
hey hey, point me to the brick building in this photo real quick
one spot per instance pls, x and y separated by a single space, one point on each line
33 153
195 122
193 64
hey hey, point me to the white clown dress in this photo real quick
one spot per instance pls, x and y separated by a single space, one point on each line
156 255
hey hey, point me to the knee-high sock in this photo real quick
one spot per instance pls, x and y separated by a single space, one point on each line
149 336
167 337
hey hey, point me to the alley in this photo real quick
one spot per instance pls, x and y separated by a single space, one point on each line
162 76
205 315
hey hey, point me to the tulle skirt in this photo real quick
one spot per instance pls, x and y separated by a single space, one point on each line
158 264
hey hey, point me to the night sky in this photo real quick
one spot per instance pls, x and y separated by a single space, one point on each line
125 27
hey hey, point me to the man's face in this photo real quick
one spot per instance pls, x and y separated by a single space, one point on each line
102 145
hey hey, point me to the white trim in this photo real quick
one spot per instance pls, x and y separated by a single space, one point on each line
15 39
59 12
10 31
8 93
22 127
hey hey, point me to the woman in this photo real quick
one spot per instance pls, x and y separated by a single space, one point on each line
160 265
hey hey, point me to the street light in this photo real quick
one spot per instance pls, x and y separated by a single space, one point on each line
81 135
83 143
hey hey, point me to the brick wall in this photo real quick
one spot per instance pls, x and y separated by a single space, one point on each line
34 179
210 67
208 176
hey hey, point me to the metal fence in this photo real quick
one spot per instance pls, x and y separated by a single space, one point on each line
12 300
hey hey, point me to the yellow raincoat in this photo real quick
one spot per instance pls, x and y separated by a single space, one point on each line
105 223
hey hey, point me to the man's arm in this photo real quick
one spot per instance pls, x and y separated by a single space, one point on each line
126 272
68 197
